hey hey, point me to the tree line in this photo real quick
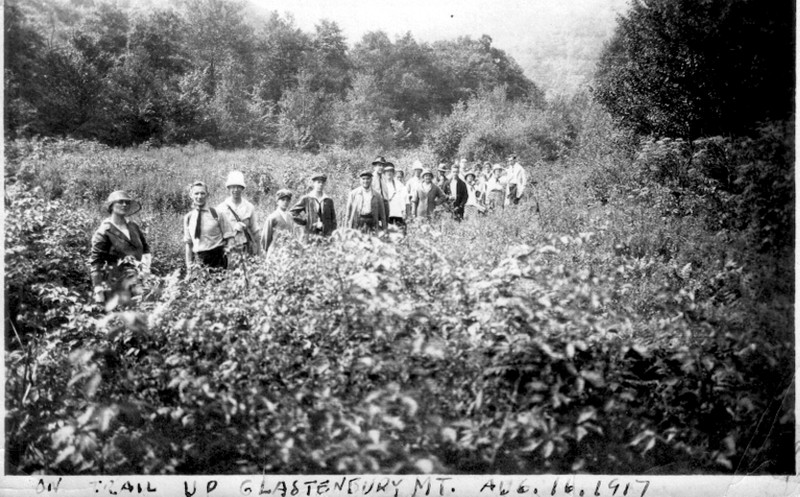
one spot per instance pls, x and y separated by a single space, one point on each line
203 70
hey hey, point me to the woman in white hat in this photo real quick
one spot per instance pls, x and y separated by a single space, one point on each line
240 214
116 244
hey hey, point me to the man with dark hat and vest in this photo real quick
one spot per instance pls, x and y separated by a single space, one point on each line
365 207
208 236
457 193
378 181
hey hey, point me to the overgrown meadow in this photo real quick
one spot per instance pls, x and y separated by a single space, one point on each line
638 323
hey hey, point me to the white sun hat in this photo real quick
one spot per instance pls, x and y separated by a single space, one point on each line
235 178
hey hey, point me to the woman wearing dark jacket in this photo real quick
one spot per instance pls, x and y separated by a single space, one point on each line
116 244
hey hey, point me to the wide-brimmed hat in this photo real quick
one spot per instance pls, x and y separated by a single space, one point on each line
443 167
235 178
426 171
119 195
319 175
417 165
498 166
365 172
379 161
284 193
470 173
388 166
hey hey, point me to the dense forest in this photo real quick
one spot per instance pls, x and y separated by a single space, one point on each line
198 70
633 314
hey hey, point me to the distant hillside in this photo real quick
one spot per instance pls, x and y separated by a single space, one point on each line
562 59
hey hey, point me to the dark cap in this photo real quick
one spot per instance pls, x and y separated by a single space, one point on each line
365 173
319 175
284 193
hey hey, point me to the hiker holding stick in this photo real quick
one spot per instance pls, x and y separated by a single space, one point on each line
241 215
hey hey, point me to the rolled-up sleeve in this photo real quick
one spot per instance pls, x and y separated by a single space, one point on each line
187 235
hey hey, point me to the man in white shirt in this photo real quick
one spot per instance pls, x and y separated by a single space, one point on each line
365 207
397 195
415 180
517 180
206 234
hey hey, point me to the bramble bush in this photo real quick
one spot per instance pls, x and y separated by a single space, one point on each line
591 337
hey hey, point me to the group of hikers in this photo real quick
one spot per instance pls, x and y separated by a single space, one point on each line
383 199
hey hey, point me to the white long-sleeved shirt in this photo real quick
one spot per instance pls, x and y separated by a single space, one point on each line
517 176
397 195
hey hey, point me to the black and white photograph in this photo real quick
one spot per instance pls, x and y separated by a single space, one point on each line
446 241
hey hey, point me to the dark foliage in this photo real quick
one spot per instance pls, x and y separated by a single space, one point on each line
690 68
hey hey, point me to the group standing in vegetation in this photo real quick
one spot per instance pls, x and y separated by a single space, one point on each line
382 200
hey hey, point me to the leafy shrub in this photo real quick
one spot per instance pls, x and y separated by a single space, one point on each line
490 126
45 255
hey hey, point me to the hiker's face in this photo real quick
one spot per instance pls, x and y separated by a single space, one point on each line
366 181
236 191
283 203
199 196
318 185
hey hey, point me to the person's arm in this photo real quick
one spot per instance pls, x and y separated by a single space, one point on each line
187 241
267 235
298 212
227 231
147 258
406 203
382 214
254 224
439 197
97 257
348 211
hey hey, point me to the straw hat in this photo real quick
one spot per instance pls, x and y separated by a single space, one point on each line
119 195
